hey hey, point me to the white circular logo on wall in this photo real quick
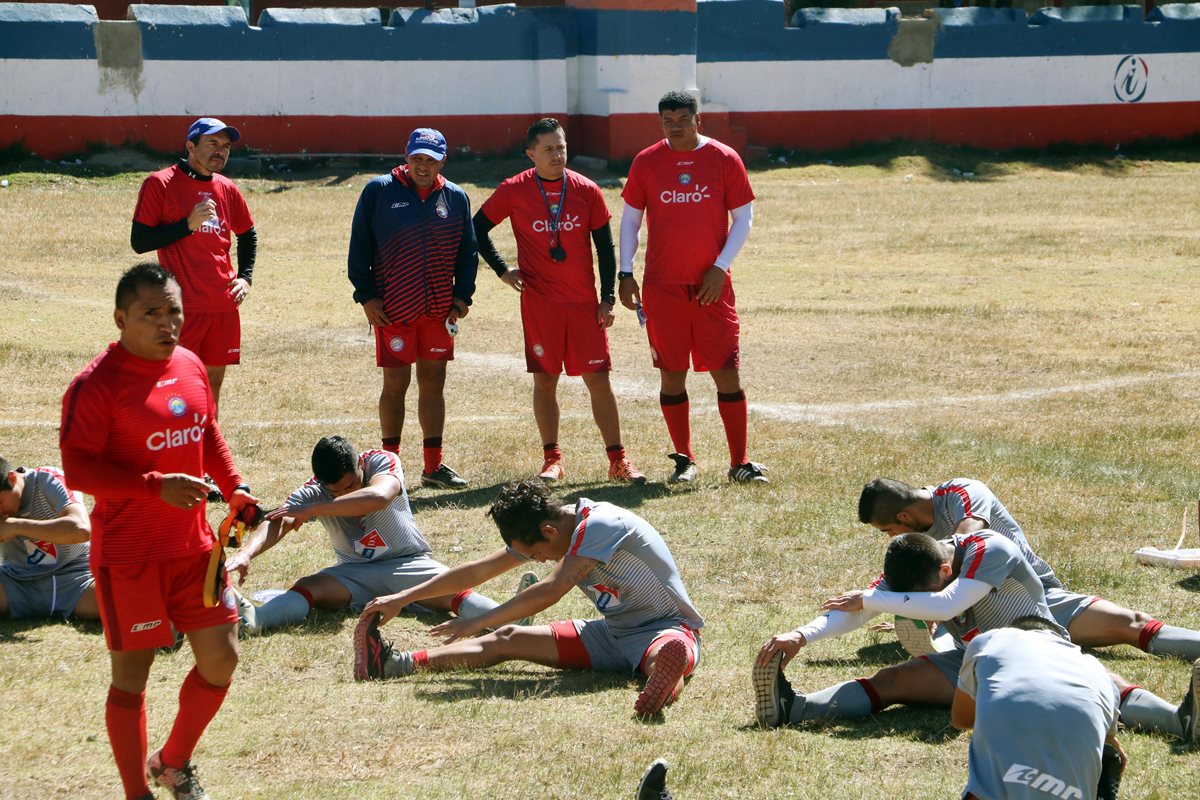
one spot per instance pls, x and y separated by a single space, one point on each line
1131 79
396 344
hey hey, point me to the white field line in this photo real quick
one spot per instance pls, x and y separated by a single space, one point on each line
818 413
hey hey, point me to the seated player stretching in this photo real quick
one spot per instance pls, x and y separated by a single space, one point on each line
614 556
363 506
1044 714
44 532
972 583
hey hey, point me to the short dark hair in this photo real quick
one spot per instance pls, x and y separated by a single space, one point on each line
676 99
883 498
521 508
543 125
148 273
912 562
1032 622
333 458
5 468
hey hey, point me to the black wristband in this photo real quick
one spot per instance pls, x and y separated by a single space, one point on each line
245 487
624 275
611 299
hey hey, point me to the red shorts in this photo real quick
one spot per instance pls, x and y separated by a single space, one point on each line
140 602
678 326
424 338
563 334
215 338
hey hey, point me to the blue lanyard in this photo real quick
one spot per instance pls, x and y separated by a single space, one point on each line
555 212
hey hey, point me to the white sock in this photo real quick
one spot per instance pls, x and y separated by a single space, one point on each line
286 609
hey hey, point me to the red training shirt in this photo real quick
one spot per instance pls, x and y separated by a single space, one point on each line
519 200
127 421
687 198
200 262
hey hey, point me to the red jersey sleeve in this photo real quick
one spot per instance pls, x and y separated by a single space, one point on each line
86 416
218 460
737 183
597 208
240 219
150 202
498 207
634 192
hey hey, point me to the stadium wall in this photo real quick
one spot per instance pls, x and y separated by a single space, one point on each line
347 81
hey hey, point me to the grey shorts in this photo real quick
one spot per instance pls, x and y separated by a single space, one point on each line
609 652
367 580
53 595
949 662
1066 606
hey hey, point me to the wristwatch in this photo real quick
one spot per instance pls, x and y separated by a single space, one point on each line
624 275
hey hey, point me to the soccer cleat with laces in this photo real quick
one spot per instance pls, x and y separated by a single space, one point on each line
669 666
552 469
1189 709
370 649
623 470
443 478
685 469
527 579
183 782
773 695
245 611
214 493
654 782
750 472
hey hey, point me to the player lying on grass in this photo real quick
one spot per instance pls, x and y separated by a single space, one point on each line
363 506
1044 714
972 583
44 532
963 506
614 556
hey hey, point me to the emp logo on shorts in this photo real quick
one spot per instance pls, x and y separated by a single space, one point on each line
1042 781
145 626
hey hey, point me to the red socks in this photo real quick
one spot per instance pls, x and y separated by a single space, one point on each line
199 702
733 415
615 452
675 410
391 444
125 718
432 453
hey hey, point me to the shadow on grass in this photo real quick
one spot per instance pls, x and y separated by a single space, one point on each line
13 631
926 724
453 687
1190 583
424 498
621 494
882 654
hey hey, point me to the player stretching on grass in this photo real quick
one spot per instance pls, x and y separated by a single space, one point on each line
972 583
44 532
615 557
187 213
688 186
553 210
138 430
363 506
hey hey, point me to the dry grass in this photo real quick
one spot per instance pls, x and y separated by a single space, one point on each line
1033 327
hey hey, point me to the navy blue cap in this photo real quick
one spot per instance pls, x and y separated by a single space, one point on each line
428 142
206 126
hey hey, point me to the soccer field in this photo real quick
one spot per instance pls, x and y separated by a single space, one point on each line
1033 325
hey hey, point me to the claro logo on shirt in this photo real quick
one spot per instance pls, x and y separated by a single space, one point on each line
178 437
567 223
1041 781
697 195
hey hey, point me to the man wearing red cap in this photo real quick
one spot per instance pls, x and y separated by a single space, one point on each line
412 262
186 212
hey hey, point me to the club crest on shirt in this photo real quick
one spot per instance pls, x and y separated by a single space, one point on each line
441 208
606 598
395 344
41 554
176 405
685 178
371 545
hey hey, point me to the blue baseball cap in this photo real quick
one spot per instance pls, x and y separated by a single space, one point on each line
206 126
427 142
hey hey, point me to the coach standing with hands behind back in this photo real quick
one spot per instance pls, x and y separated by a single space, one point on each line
186 212
412 262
